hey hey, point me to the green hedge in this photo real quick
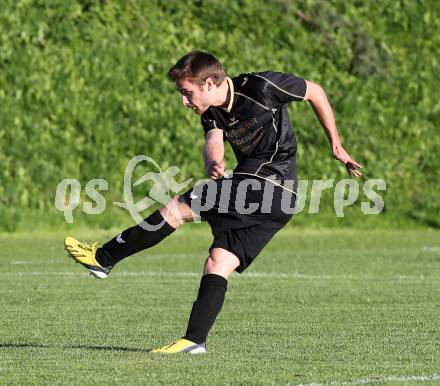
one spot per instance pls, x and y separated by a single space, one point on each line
84 88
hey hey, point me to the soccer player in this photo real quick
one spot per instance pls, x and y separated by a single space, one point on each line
244 210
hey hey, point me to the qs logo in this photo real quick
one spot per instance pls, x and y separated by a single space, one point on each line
164 186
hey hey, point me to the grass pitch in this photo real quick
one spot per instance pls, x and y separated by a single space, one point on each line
316 307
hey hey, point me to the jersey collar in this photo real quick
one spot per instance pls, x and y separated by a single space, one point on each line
231 99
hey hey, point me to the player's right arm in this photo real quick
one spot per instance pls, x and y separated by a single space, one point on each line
213 153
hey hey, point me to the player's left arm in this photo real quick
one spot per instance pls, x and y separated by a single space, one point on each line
316 96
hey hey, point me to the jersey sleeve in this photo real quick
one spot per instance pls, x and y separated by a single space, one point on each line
208 123
283 88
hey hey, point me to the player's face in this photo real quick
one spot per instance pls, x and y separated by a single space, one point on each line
194 96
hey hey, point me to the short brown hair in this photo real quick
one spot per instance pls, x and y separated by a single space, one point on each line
197 66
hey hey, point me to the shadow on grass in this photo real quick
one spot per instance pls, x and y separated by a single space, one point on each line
110 348
22 345
85 347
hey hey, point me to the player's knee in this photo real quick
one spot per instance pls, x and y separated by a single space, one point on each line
221 262
210 264
217 267
171 212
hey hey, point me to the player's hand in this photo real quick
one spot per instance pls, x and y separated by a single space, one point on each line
350 164
216 169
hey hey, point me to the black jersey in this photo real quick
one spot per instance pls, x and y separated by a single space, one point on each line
256 122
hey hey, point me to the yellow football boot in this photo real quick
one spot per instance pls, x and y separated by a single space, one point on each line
84 254
182 345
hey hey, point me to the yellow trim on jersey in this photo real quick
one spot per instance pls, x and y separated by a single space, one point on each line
267 179
231 99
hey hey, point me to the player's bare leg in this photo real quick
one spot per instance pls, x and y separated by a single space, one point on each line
221 262
176 212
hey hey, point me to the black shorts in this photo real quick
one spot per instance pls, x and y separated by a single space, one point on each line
244 212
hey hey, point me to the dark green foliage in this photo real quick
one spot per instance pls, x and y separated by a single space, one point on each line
83 89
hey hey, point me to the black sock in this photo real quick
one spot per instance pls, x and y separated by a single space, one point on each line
133 240
206 308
